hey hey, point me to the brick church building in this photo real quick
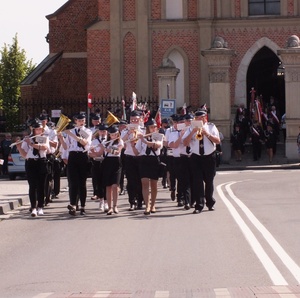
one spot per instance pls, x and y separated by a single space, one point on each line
194 51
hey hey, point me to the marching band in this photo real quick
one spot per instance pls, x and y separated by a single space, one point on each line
190 145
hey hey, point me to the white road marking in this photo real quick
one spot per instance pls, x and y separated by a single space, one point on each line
162 294
278 249
102 294
270 267
284 292
43 295
222 292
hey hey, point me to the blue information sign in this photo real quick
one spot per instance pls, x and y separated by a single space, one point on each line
167 107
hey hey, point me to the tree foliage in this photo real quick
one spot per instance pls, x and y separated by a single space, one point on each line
14 67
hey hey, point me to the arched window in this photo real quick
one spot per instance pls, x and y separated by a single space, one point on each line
264 7
174 9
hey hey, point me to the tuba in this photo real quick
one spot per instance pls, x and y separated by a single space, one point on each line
62 123
111 119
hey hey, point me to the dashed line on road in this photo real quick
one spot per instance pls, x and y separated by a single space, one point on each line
43 295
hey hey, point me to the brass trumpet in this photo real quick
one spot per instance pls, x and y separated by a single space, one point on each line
199 135
62 123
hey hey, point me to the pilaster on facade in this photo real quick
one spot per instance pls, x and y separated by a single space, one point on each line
219 63
167 74
291 61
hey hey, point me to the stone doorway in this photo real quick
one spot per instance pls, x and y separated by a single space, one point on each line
263 75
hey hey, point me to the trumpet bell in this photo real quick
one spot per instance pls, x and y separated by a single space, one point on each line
111 119
62 123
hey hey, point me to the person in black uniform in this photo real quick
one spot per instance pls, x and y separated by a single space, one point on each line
202 141
270 141
35 151
237 142
77 142
256 138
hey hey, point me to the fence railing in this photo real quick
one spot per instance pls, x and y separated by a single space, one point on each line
72 106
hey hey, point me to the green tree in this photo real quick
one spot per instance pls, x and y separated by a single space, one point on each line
14 67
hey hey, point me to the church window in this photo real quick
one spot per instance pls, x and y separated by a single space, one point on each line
264 7
174 9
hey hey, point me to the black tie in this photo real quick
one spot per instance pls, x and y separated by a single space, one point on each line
201 147
35 151
188 149
78 135
148 150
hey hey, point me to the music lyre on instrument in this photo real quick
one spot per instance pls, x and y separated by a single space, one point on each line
198 124
181 126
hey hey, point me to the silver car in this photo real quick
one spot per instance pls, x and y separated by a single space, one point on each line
16 164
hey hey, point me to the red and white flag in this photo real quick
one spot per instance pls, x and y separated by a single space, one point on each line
158 118
90 101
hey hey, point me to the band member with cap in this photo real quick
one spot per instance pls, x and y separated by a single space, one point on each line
77 142
113 167
96 120
202 141
34 150
122 126
97 167
53 141
134 185
149 150
176 144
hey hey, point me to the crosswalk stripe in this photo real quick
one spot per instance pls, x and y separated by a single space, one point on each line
43 295
162 294
222 292
102 294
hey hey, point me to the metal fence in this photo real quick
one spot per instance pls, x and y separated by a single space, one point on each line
71 106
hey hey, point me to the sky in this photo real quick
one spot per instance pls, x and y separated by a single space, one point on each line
27 18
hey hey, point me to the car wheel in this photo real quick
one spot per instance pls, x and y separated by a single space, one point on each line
12 176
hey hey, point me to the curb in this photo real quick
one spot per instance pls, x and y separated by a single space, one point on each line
7 205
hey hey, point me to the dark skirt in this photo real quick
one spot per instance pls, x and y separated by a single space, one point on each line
149 167
112 168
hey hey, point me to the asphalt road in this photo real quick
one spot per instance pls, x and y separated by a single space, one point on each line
248 247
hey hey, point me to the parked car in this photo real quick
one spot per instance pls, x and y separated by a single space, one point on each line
16 164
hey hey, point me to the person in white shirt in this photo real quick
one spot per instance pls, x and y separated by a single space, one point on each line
202 141
77 142
34 150
149 150
113 167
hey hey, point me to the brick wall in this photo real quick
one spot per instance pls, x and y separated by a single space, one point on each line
188 40
130 76
156 9
104 10
129 10
68 27
192 9
98 68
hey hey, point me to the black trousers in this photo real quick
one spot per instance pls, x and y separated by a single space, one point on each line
184 179
77 175
203 171
97 179
134 184
36 173
171 170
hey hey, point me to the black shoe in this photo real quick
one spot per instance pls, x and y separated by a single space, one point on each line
187 207
180 204
173 195
82 211
196 211
139 206
109 212
146 212
211 208
122 192
132 207
72 210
